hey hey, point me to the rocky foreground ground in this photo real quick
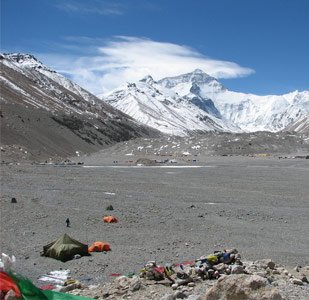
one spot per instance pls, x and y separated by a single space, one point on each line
258 280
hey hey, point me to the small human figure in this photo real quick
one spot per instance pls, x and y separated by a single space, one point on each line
68 222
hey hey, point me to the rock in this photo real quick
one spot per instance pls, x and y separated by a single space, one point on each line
70 287
265 263
191 284
261 273
220 267
305 269
168 297
122 282
297 268
270 279
241 287
135 284
304 278
297 281
194 297
180 295
13 200
174 286
237 269
221 277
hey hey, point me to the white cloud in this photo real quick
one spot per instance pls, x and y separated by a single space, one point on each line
128 59
96 7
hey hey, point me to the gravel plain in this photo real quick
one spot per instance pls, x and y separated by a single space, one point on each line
169 214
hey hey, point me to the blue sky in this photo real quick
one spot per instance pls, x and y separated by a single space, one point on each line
254 46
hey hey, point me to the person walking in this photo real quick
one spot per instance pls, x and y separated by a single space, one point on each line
68 222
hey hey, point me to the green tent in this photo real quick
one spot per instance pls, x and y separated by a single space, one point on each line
65 248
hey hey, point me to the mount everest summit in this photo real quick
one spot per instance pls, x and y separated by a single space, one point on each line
197 102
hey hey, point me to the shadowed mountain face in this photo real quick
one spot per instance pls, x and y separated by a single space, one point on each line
44 115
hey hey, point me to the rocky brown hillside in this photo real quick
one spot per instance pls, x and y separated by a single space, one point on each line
44 115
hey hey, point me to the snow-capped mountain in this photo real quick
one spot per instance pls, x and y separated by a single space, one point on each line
197 101
28 65
48 114
159 105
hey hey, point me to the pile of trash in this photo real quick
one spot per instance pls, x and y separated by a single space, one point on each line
219 263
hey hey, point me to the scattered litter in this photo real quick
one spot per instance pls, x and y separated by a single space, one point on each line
47 287
109 193
7 262
57 277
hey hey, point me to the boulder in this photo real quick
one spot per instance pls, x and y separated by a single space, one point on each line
124 283
237 269
168 297
265 263
297 281
243 287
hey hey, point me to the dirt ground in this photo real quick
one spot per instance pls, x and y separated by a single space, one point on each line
170 214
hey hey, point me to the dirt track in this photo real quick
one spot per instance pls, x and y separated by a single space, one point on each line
258 205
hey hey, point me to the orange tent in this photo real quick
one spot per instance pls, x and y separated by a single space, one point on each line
99 247
110 219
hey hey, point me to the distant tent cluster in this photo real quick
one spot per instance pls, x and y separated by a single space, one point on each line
66 248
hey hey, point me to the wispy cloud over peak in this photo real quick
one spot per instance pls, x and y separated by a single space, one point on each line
128 59
95 7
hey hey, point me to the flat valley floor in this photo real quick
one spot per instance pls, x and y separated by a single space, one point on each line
258 205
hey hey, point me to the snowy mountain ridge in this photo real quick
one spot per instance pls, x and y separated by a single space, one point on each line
26 63
198 102
157 105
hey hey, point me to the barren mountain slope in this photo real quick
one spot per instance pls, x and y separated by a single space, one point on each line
45 115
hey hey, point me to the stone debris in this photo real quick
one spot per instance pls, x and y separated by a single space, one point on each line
221 276
241 286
